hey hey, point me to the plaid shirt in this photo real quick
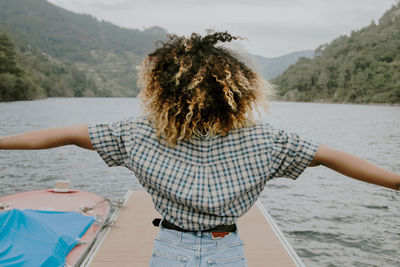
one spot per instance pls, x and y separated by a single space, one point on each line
208 181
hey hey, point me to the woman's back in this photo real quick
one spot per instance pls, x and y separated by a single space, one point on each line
207 181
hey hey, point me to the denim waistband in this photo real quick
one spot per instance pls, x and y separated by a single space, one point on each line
198 240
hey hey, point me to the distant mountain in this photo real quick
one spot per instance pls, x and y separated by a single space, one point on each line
66 35
89 51
361 68
273 67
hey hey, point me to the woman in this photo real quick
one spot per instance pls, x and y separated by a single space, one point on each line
198 151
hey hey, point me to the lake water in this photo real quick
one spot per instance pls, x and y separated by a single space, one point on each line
329 219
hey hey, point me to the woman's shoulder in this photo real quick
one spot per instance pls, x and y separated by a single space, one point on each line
127 126
257 131
135 121
258 127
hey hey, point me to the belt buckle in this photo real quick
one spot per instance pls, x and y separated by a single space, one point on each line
219 235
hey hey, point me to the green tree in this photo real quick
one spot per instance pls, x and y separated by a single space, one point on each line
15 84
8 62
363 67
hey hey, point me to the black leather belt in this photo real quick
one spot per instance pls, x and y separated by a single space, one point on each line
217 229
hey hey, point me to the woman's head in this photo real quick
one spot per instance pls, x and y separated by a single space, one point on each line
191 86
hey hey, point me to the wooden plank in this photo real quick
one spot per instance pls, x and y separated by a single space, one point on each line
262 245
130 241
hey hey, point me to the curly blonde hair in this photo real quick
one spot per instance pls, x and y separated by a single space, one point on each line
192 87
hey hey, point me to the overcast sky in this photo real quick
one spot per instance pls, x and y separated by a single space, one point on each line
273 27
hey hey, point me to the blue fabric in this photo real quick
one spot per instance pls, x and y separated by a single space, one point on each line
39 238
173 248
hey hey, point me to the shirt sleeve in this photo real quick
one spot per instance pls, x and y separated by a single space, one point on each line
112 141
291 154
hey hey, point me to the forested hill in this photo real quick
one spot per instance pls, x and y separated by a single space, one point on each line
59 32
61 53
361 68
70 54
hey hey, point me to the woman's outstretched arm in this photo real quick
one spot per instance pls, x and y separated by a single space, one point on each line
355 167
49 138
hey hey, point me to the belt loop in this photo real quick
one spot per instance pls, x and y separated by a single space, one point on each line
218 243
180 238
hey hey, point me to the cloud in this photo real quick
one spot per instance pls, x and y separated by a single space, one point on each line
184 3
274 27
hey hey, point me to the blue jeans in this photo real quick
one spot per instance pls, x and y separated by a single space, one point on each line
173 248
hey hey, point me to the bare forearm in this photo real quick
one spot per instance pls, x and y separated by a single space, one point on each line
48 138
357 168
35 140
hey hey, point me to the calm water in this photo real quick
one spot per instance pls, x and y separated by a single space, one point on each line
329 219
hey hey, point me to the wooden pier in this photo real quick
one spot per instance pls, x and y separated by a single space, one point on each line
130 241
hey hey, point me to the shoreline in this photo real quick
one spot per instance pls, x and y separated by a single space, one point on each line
339 103
273 100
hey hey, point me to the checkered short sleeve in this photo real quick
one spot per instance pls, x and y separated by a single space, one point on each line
113 141
291 154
